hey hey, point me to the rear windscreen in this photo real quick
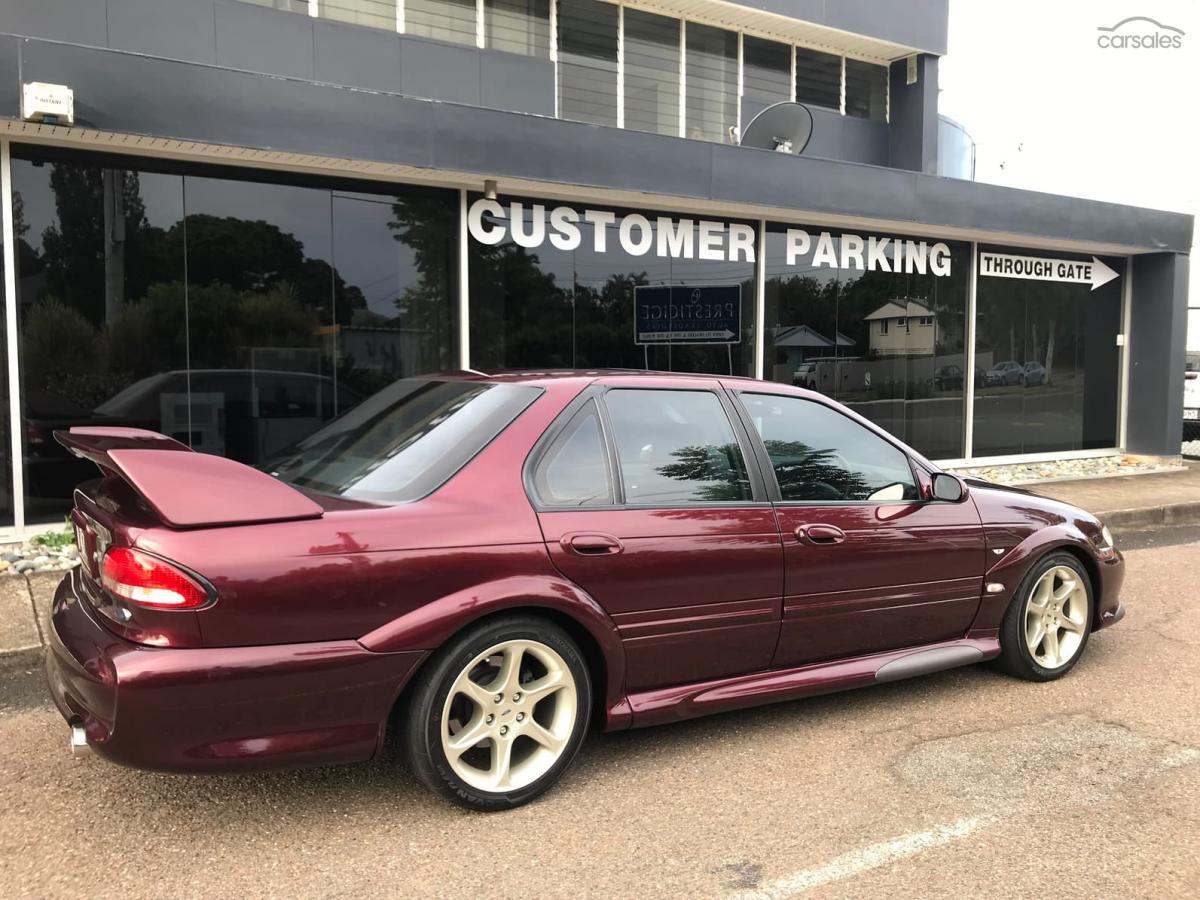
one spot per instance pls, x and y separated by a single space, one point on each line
403 442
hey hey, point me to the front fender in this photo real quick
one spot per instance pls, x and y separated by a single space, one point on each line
429 626
1012 568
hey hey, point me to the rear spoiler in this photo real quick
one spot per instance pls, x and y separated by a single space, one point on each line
188 489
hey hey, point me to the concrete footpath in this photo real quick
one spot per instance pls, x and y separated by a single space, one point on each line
1124 503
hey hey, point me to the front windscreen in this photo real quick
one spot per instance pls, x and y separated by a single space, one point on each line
403 442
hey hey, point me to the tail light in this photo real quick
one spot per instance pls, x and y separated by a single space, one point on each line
150 582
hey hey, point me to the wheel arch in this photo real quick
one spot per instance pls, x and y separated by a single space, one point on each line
429 627
1015 566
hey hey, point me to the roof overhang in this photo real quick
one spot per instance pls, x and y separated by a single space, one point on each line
566 191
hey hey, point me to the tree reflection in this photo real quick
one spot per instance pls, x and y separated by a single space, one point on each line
715 470
805 473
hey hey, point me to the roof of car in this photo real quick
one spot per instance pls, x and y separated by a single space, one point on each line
537 376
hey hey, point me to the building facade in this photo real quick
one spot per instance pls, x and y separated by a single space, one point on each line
265 210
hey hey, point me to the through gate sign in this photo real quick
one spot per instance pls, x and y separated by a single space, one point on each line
1041 268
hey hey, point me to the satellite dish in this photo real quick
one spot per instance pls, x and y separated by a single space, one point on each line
783 127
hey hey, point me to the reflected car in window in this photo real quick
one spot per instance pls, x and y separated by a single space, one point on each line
1004 373
1032 373
485 567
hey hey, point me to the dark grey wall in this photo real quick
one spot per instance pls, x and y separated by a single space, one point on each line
912 137
235 35
920 24
241 36
144 95
848 138
1157 342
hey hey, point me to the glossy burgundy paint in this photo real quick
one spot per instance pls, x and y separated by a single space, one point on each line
322 618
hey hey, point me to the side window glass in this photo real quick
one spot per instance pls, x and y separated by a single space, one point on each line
574 471
676 447
818 454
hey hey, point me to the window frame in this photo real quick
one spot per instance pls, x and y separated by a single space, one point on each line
549 440
760 489
919 468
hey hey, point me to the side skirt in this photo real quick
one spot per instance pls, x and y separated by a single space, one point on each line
687 701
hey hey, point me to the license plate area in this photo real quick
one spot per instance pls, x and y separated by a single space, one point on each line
1191 414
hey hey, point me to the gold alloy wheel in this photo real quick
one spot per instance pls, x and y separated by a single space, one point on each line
509 716
1056 617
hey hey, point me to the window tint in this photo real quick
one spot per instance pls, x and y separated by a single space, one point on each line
676 447
404 441
818 454
711 82
574 471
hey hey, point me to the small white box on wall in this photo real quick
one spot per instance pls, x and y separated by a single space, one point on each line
53 104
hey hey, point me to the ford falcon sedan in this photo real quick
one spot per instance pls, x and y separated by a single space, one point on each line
488 567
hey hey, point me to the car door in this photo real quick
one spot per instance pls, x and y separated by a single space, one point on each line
870 563
649 499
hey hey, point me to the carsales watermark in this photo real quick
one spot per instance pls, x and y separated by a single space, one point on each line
1139 33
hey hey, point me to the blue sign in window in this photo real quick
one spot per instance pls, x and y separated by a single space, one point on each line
682 314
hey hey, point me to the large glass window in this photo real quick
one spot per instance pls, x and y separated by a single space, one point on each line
676 447
712 82
875 321
866 90
6 468
446 20
372 13
820 455
818 78
766 75
235 313
559 286
587 61
651 72
518 26
1046 361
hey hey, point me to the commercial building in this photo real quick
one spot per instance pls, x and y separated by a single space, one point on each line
264 211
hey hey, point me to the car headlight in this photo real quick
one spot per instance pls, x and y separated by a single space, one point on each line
1107 536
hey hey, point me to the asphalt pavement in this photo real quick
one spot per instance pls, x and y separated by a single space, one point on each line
966 783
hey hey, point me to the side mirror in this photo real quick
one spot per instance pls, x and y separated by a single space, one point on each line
947 488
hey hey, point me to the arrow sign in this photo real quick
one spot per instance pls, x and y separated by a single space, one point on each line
687 314
1041 268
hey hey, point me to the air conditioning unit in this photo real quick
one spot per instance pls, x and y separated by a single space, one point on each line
51 104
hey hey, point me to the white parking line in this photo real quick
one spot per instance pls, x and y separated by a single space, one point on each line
866 858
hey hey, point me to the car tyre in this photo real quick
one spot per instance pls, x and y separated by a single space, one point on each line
1047 624
520 685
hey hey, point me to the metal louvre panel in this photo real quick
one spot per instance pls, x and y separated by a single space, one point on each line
818 78
766 70
446 20
372 13
651 72
711 82
587 61
518 26
866 90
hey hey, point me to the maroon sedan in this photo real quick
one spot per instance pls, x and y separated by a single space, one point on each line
495 564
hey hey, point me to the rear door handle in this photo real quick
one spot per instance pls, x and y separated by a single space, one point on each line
820 534
591 544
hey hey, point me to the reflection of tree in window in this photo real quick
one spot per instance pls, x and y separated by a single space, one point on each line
716 472
805 473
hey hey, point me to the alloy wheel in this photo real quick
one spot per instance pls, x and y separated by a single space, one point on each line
509 716
1056 617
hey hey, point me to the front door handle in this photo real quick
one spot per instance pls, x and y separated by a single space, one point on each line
820 534
592 544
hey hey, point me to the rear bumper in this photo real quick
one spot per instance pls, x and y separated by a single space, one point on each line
218 709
